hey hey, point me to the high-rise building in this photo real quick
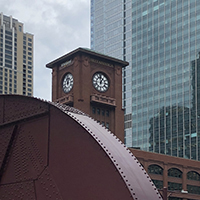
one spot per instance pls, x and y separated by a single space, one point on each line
161 41
16 58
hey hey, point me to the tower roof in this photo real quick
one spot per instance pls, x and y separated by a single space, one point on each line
90 52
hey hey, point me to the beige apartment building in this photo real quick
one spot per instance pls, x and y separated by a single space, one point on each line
16 58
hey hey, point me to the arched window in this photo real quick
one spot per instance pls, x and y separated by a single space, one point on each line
155 169
192 175
174 172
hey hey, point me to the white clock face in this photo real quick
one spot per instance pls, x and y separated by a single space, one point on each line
100 82
68 82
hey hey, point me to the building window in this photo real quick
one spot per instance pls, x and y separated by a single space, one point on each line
193 176
174 186
174 172
174 198
155 169
93 110
107 113
98 111
103 112
193 189
107 125
158 184
103 123
20 28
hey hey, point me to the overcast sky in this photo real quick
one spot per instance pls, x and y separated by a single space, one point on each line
58 27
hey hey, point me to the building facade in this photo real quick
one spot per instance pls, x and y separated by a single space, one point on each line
160 39
16 58
180 176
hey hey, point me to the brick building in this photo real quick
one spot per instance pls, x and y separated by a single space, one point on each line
180 176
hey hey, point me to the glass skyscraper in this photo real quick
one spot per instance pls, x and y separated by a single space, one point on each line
161 41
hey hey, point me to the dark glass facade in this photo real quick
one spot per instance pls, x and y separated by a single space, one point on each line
161 41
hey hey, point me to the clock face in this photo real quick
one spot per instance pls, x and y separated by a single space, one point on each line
100 82
68 82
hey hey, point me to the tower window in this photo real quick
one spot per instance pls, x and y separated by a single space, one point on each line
93 110
107 113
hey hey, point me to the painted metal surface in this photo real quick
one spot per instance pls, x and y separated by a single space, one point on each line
52 151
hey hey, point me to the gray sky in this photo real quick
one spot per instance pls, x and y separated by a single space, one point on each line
58 27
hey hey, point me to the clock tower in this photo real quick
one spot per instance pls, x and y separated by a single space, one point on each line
92 83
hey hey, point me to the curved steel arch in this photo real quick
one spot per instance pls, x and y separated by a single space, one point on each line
52 151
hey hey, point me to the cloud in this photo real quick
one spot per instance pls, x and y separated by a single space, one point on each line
58 28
